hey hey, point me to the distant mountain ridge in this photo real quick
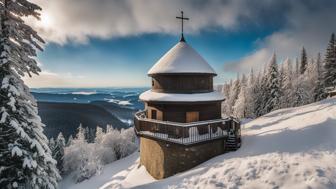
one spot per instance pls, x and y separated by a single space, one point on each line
66 117
121 96
63 109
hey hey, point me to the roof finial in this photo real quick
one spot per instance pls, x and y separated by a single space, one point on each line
182 19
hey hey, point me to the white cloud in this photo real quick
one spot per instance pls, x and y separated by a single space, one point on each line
77 20
309 25
51 79
253 61
47 79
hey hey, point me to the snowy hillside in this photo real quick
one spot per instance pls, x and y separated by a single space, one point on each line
288 148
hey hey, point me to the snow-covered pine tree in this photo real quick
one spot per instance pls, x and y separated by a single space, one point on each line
69 142
226 91
259 92
76 156
80 133
329 71
243 80
319 93
52 144
281 82
250 95
287 86
251 78
304 61
92 134
281 77
281 73
109 128
311 76
99 135
319 63
296 73
272 95
234 92
59 151
299 83
299 91
87 133
25 157
60 139
239 109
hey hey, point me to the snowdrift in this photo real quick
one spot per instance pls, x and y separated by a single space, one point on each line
287 148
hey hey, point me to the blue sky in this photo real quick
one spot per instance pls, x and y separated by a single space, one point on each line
114 43
125 61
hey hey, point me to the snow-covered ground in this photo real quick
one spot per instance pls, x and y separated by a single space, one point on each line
288 148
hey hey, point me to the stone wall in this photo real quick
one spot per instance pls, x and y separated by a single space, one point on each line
163 159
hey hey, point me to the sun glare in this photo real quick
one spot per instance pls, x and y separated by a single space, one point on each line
46 20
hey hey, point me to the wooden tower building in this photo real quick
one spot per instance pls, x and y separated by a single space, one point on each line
181 125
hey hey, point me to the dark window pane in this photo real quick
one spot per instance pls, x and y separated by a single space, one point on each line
154 114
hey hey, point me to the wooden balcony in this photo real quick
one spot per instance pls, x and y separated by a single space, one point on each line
183 133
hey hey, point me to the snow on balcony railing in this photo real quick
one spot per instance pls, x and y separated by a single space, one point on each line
181 133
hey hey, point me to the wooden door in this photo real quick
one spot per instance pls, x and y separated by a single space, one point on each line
192 116
159 115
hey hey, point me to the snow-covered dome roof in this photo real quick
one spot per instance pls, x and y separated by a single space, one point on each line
182 58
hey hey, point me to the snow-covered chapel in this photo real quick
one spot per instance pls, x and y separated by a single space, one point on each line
181 125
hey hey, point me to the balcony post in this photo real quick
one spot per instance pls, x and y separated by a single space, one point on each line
183 135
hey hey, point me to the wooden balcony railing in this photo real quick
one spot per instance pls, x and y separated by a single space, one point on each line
182 133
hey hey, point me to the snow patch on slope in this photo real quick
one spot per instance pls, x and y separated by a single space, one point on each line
113 172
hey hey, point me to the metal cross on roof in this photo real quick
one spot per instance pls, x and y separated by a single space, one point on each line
182 19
